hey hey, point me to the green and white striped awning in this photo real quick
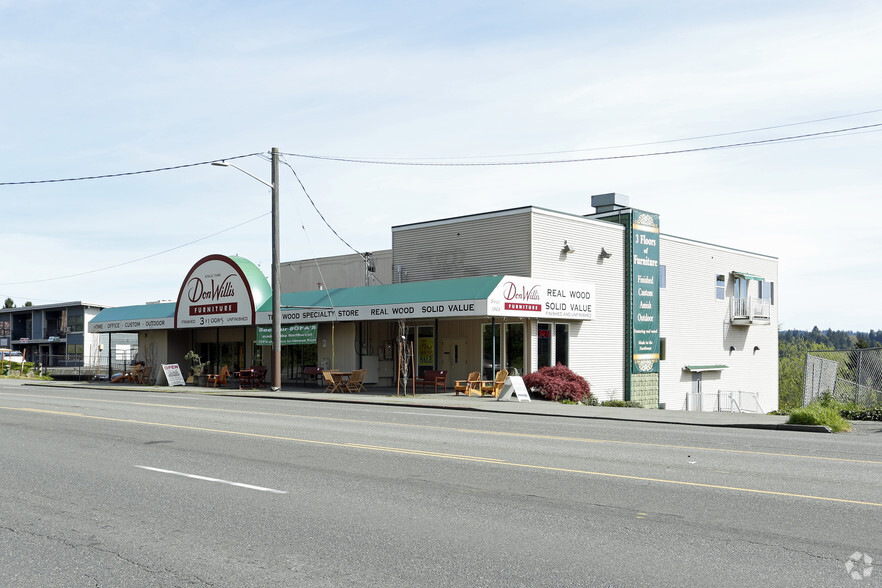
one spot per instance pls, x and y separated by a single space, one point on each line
748 276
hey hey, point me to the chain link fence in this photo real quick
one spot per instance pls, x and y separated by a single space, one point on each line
851 375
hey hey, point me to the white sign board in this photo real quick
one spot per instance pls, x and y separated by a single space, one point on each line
514 384
132 325
173 374
214 294
447 309
531 297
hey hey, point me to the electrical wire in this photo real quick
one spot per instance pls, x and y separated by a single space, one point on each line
311 201
101 269
624 146
123 174
787 139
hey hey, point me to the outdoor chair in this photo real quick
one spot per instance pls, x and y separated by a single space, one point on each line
469 385
332 384
356 381
433 378
494 386
221 378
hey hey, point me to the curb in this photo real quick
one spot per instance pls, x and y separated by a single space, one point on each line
376 401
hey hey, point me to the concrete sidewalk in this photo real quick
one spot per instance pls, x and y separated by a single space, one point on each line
449 401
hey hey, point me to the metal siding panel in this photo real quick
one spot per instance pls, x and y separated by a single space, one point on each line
494 245
696 326
341 271
597 347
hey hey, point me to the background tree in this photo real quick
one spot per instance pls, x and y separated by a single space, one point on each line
10 303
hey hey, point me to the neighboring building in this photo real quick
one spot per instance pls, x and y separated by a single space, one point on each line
53 335
663 320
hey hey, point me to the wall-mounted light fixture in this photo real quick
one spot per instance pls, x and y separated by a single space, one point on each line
731 349
755 348
567 249
604 254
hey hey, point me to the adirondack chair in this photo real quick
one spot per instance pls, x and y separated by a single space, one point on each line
469 385
221 378
494 386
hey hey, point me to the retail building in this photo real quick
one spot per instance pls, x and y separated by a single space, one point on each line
641 315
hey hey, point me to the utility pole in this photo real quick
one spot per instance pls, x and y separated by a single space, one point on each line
276 280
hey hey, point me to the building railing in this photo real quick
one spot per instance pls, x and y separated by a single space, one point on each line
724 401
750 309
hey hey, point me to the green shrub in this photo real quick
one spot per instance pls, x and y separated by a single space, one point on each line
862 414
621 403
818 414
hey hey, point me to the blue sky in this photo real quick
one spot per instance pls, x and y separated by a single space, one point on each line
99 87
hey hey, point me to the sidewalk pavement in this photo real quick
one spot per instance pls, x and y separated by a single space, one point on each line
450 401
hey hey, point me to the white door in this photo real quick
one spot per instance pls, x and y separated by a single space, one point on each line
454 358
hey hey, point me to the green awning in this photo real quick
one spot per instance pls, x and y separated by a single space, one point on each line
747 276
705 368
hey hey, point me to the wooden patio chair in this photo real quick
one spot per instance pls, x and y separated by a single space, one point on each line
469 385
494 386
332 384
135 375
356 381
214 379
143 376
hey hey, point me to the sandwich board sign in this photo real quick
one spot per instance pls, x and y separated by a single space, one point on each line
514 384
173 374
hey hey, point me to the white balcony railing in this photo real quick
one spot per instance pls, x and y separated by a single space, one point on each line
750 310
724 401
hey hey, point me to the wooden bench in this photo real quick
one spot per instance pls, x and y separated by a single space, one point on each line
433 378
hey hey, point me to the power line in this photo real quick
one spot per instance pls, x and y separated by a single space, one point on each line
787 139
624 146
311 201
122 174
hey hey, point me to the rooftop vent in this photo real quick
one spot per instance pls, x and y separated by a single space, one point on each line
609 202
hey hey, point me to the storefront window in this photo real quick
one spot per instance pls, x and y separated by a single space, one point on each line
514 347
544 340
208 353
232 356
490 361
423 339
297 357
562 343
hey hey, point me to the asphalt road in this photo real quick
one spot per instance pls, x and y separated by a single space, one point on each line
115 488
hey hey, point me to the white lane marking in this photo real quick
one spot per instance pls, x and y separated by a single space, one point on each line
196 477
446 416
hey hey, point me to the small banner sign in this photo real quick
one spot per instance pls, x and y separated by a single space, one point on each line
291 335
173 374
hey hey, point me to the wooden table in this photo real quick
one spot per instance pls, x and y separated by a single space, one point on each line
340 380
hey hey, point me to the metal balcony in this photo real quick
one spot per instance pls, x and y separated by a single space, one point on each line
750 311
